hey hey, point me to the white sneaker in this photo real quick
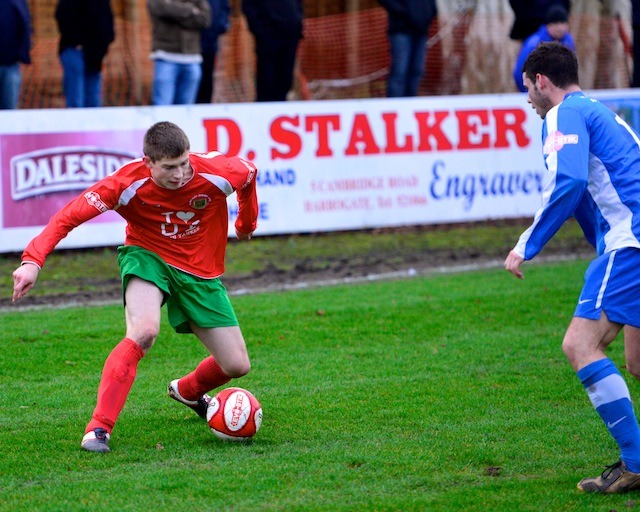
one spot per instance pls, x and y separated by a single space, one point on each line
199 406
96 441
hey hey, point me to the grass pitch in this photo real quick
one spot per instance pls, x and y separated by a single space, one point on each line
436 393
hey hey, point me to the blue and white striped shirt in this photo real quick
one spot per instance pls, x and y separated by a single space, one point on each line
593 162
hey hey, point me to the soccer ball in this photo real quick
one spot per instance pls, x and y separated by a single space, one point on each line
234 414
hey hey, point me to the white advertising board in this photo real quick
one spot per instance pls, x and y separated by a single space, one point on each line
323 165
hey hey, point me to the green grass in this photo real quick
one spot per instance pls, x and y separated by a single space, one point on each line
94 270
439 393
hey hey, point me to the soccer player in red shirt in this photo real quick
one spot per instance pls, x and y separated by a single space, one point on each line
175 205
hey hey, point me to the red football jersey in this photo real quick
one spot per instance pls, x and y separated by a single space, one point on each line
187 227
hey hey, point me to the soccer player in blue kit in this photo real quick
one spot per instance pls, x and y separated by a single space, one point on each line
593 162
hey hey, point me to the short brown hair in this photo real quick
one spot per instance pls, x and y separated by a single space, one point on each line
165 140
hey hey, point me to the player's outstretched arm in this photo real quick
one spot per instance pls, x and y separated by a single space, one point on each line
512 264
24 277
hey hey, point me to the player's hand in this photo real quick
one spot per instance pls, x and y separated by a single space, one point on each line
512 264
244 236
24 277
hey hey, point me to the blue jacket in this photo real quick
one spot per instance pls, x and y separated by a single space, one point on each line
220 10
542 35
15 32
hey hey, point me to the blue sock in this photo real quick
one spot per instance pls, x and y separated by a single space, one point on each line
609 395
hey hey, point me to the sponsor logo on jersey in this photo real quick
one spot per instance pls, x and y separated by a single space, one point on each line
252 171
94 199
199 201
556 140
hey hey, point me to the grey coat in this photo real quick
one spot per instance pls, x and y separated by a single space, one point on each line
177 24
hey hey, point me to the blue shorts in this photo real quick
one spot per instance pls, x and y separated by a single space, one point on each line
612 285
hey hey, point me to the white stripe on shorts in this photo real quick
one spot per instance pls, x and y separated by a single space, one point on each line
605 279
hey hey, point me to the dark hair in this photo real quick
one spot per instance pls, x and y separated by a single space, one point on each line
555 61
165 140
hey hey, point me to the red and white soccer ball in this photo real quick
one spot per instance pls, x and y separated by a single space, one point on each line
234 414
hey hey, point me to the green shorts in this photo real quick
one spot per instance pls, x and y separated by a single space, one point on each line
204 302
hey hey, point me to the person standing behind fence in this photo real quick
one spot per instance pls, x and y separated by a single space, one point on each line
409 22
175 49
220 10
277 26
556 28
86 31
15 43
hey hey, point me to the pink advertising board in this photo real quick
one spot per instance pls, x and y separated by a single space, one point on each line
44 171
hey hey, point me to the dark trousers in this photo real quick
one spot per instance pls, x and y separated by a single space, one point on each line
635 82
276 59
205 90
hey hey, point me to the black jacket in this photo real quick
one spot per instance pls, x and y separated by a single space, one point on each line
530 14
86 23
410 16
274 18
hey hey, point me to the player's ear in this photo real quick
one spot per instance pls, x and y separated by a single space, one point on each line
542 81
147 161
537 80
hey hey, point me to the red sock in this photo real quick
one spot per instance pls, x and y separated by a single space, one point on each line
207 376
118 374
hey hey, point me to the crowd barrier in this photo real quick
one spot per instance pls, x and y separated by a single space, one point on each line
323 165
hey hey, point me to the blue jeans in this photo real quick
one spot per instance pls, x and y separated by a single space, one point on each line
10 79
408 55
175 83
81 89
